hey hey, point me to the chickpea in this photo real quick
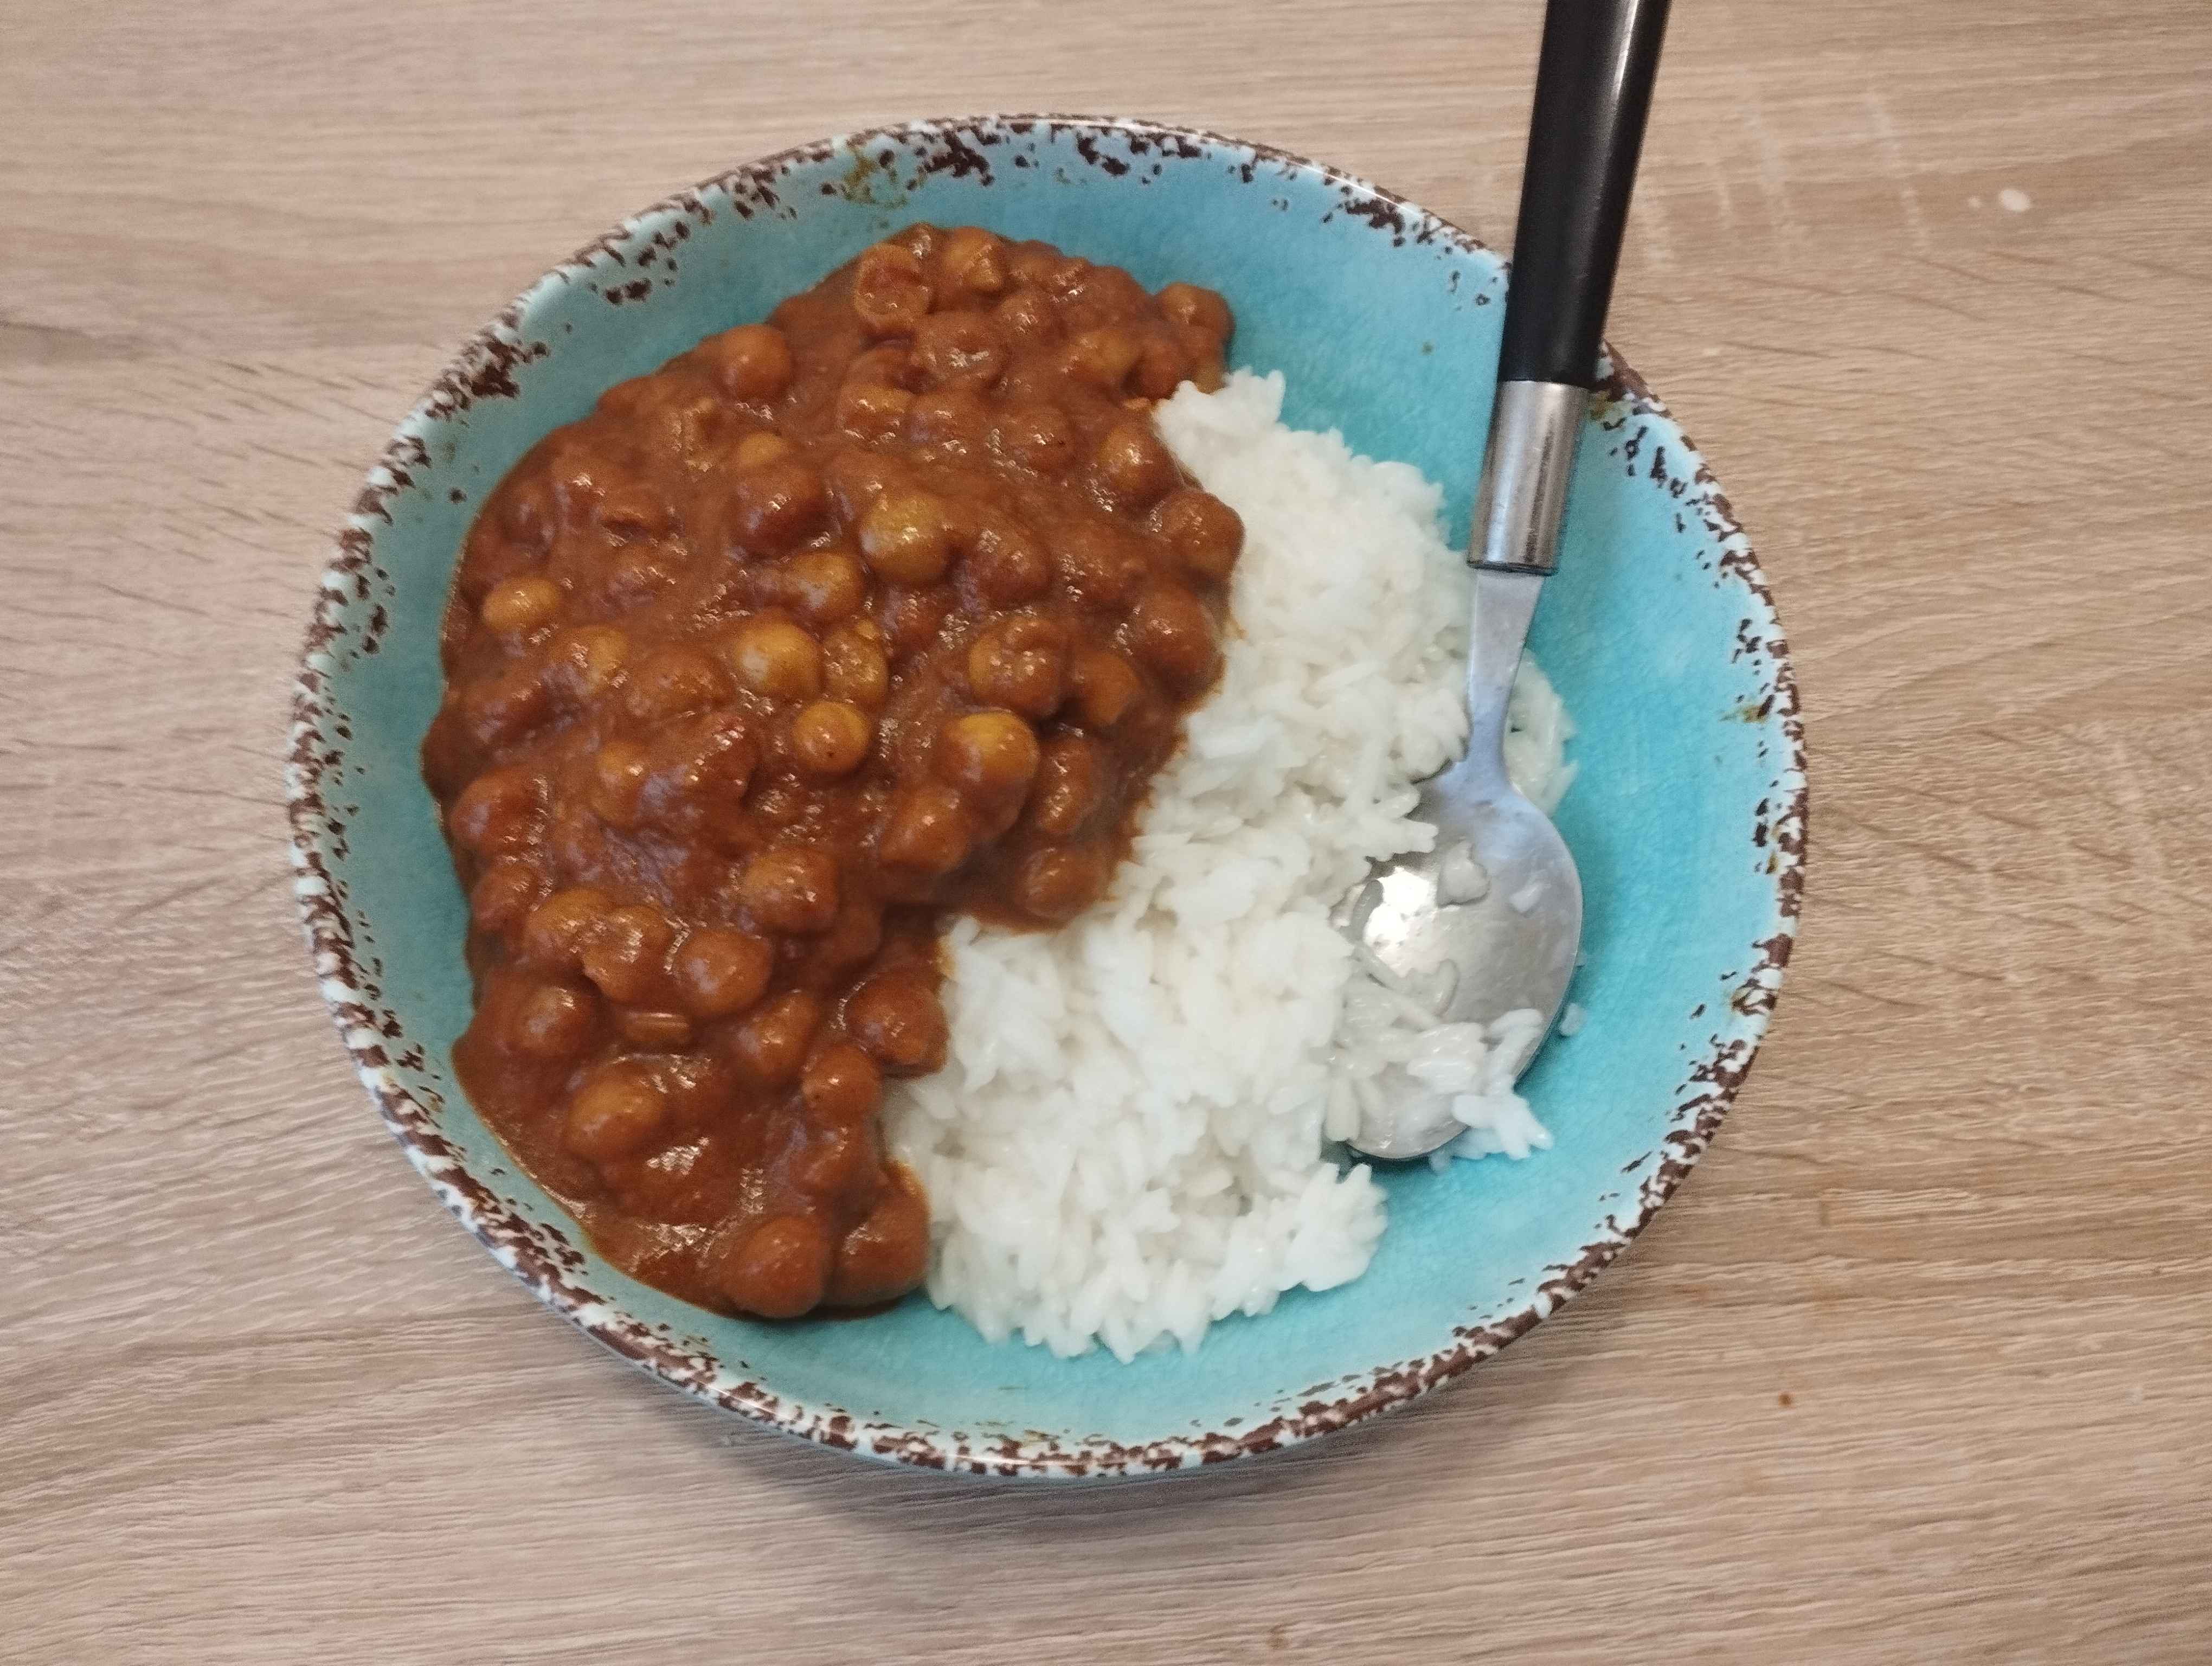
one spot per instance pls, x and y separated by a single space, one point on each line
1066 277
1056 883
890 291
559 929
1100 294
656 1032
1028 318
489 557
1186 303
577 841
1038 436
1021 663
1161 365
1106 687
775 658
873 411
720 972
619 774
853 939
1103 565
753 361
825 586
616 1113
632 401
1032 263
773 507
524 509
782 1267
584 661
497 813
840 1159
552 1022
632 509
691 428
842 1085
757 450
907 536
1008 563
919 239
928 831
1133 466
1172 632
990 754
911 619
1071 786
953 417
899 1021
701 771
857 478
638 571
1102 357
674 678
853 667
959 347
447 765
1203 354
972 261
502 709
504 893
772 1042
579 480
790 889
829 738
1206 534
887 1254
627 956
888 364
517 606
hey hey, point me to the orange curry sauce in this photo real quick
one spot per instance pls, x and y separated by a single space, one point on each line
887 608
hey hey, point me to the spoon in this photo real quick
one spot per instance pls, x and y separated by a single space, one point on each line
1498 899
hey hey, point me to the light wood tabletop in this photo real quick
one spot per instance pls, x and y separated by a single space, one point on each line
1917 1366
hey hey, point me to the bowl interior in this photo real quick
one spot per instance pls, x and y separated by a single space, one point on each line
1385 323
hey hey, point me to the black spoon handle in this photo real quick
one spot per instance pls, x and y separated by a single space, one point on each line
1593 92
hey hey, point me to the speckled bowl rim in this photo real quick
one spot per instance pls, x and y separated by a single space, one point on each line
554 1269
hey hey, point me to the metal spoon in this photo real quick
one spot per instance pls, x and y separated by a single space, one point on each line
1514 944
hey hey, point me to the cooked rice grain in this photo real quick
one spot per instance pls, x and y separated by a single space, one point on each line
1131 1139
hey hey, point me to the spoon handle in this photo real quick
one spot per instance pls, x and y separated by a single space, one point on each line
1593 92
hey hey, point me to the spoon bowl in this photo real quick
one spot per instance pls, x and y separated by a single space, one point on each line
1492 914
1497 897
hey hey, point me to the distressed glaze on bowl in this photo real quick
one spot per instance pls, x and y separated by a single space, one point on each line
1687 818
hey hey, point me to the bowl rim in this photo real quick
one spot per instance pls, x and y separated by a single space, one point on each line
554 1269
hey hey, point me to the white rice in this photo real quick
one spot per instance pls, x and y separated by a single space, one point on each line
1133 1136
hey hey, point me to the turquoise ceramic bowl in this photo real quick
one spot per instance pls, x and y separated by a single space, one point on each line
1687 818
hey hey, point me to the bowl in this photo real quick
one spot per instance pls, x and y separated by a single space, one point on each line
1687 818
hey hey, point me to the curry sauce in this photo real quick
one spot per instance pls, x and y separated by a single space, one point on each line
832 627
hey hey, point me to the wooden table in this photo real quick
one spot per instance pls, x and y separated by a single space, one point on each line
1918 1366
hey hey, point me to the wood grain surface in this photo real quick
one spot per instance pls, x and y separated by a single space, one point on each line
1918 1366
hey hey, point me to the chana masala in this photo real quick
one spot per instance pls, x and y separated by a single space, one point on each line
832 627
